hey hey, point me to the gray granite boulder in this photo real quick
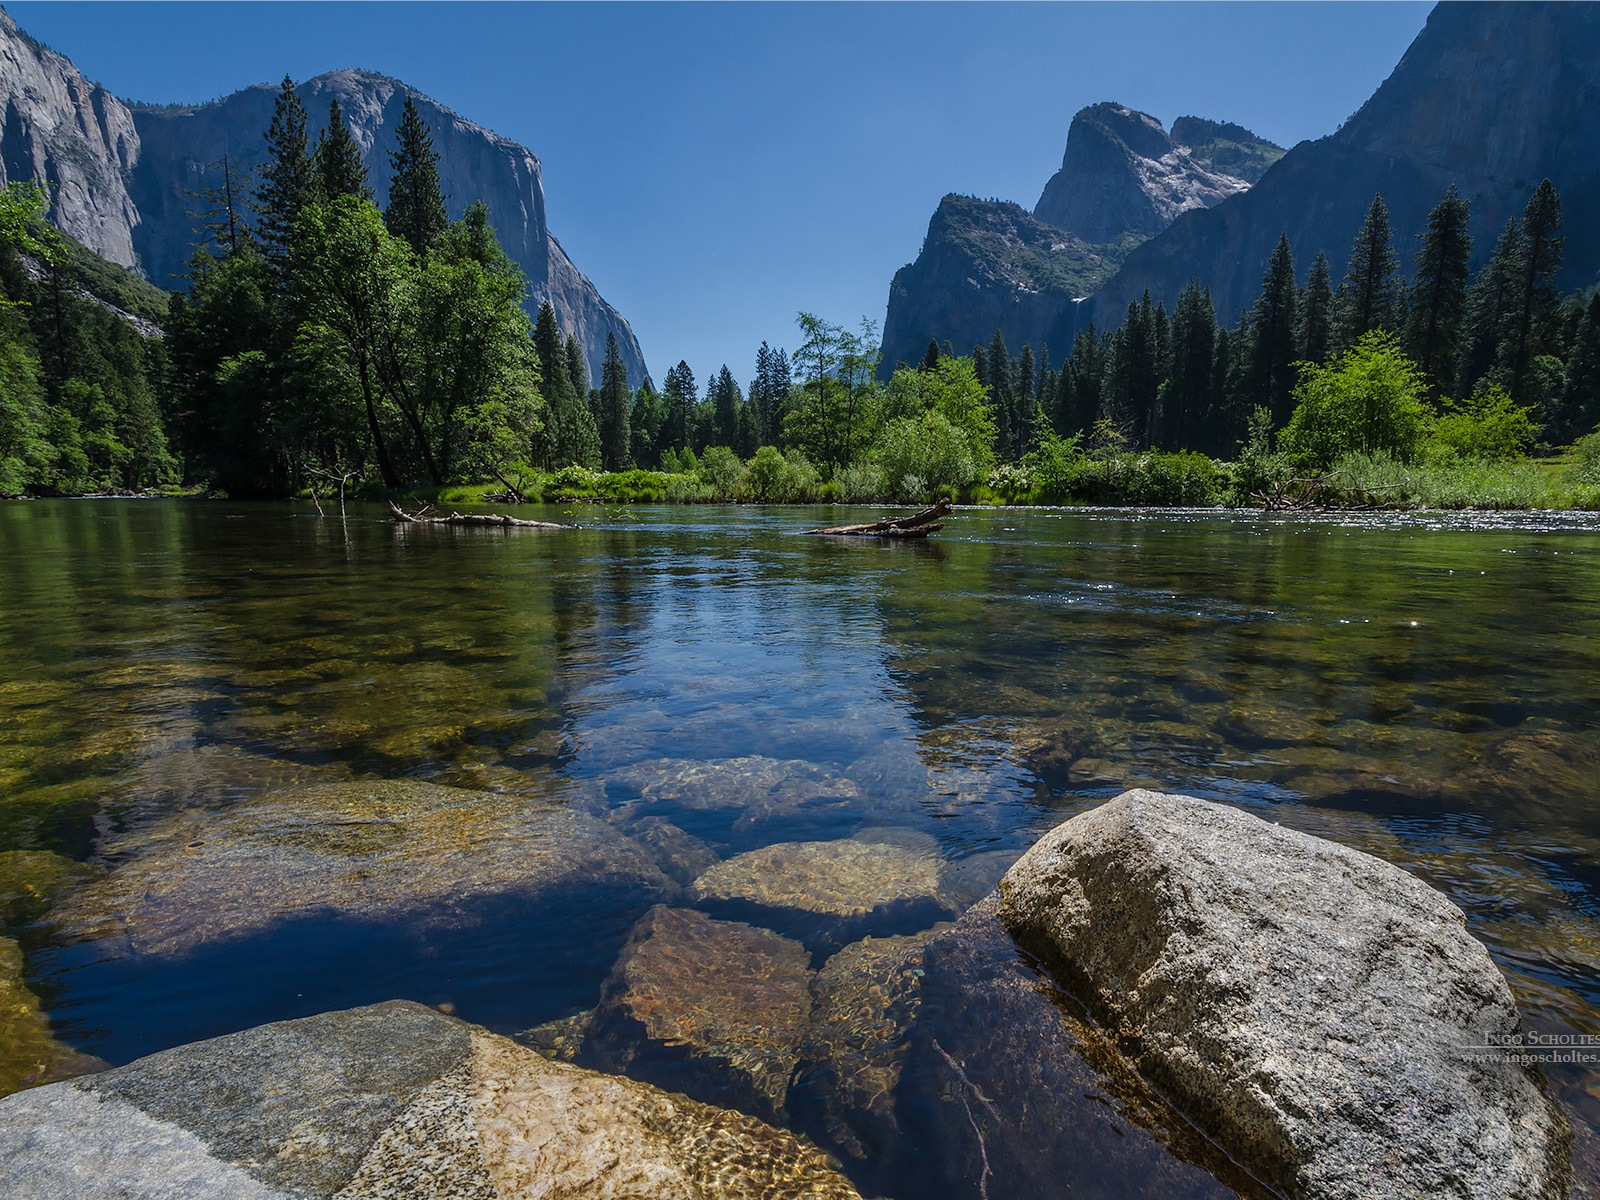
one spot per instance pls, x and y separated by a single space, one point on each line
1310 1006
390 1102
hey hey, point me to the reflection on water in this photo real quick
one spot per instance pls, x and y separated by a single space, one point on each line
209 715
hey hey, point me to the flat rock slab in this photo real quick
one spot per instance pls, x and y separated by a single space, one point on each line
885 882
1310 1006
715 1008
370 849
390 1102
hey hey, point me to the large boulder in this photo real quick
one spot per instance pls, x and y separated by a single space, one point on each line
393 1101
1314 1008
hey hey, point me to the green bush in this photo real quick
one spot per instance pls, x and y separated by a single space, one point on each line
923 457
573 483
1485 426
719 470
1368 400
859 483
1586 460
1384 481
773 477
633 487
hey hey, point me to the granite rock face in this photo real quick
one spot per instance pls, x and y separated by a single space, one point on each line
392 1101
1123 173
63 131
989 264
1313 1008
1491 98
123 173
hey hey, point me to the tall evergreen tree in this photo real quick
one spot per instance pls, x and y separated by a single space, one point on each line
1272 336
1368 298
339 166
1580 409
645 426
224 217
1314 338
1438 299
1079 392
725 405
615 435
1489 305
416 205
930 358
288 178
1531 328
1135 369
1186 401
769 391
577 369
680 398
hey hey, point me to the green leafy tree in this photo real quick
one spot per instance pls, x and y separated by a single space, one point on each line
1368 400
1438 301
416 209
1487 425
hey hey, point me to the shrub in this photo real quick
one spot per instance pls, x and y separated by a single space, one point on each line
924 456
635 486
1367 400
571 483
772 477
719 470
859 483
1586 459
1488 425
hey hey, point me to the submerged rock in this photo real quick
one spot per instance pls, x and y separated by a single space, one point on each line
1020 1098
29 1051
866 999
758 790
1312 1007
885 880
712 1008
390 1102
370 849
31 880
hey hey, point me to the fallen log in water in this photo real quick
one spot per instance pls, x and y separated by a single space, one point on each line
920 525
420 517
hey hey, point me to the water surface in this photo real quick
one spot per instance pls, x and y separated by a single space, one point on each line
1423 687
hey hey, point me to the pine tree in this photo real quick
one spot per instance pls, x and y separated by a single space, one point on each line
1580 409
223 218
1368 298
1530 326
339 166
1439 291
1488 309
416 205
1186 402
680 399
1314 338
930 359
577 369
288 178
645 426
615 436
725 405
768 392
1273 352
1079 393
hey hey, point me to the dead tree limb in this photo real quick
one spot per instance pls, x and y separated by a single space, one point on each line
920 525
400 516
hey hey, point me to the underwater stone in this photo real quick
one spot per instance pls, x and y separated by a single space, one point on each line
1310 1006
366 849
711 1008
390 1102
29 1051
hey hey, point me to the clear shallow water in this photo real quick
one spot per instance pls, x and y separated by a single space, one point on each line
1423 687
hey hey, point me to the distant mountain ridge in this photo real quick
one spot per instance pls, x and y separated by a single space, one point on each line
122 173
987 265
1491 97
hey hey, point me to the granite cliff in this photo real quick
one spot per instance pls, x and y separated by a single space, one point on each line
121 174
989 264
1490 97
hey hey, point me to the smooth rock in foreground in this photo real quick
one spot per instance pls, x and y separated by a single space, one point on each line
1309 1005
390 1102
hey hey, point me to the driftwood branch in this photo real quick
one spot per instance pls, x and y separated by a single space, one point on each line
920 525
420 517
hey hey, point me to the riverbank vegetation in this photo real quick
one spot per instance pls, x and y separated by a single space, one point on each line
325 344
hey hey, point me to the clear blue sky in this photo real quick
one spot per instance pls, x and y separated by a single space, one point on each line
716 167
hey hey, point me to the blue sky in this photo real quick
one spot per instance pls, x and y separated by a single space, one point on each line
715 168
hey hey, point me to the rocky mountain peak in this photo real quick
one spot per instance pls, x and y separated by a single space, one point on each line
1122 173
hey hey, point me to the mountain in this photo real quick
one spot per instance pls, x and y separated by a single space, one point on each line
1490 97
990 264
122 173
